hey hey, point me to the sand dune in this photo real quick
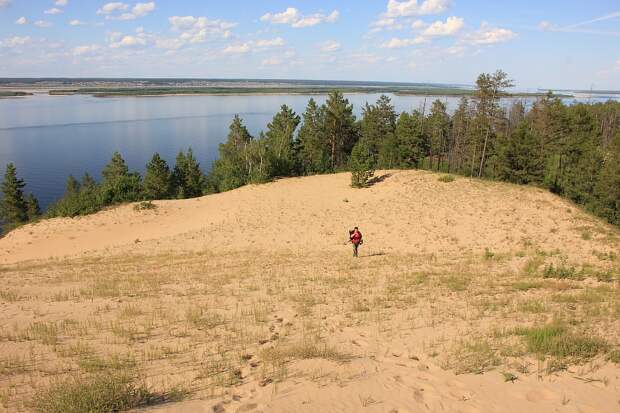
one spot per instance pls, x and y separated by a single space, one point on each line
251 301
408 212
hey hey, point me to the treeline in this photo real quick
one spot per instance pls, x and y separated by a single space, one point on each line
572 150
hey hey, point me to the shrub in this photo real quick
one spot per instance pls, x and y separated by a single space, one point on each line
447 178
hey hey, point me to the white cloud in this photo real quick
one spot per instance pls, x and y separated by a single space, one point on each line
409 8
386 23
128 41
85 50
169 44
200 29
254 46
278 41
42 23
487 35
53 10
61 3
271 61
21 21
292 17
118 40
418 24
238 48
110 8
451 26
396 43
15 41
76 22
4 3
330 46
119 10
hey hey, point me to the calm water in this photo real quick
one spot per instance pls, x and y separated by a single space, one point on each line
50 137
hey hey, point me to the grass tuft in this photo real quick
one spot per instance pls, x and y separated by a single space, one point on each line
556 340
105 392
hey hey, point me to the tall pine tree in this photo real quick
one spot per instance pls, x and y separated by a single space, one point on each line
13 207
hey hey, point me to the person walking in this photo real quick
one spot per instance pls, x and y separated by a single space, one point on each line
355 237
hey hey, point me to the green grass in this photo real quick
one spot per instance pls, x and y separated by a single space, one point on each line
447 178
562 272
557 341
104 392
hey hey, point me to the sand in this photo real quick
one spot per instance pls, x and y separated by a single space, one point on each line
439 271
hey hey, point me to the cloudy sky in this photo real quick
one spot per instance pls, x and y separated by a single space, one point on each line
544 43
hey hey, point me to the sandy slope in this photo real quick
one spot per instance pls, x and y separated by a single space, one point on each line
271 260
407 212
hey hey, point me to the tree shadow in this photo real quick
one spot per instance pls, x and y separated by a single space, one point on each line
378 179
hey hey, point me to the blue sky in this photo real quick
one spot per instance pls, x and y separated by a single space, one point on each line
545 43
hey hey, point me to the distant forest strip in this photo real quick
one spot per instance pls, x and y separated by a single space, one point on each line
11 93
162 91
571 150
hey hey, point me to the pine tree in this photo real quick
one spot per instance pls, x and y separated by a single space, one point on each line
438 124
157 179
313 152
13 207
279 140
361 164
33 210
340 129
72 186
187 176
378 124
232 169
119 185
517 160
411 140
607 188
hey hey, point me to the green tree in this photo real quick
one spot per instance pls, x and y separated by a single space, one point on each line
72 187
157 179
489 89
279 140
33 210
361 164
119 185
438 125
517 160
187 176
232 169
411 141
607 187
379 124
340 129
13 207
313 152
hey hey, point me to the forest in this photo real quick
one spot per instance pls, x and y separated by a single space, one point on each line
572 150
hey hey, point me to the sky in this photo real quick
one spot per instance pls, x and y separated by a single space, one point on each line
540 44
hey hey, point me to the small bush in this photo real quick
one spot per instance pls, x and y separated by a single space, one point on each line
144 206
447 178
104 392
562 272
488 254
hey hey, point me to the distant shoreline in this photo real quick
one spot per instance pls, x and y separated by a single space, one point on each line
252 91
